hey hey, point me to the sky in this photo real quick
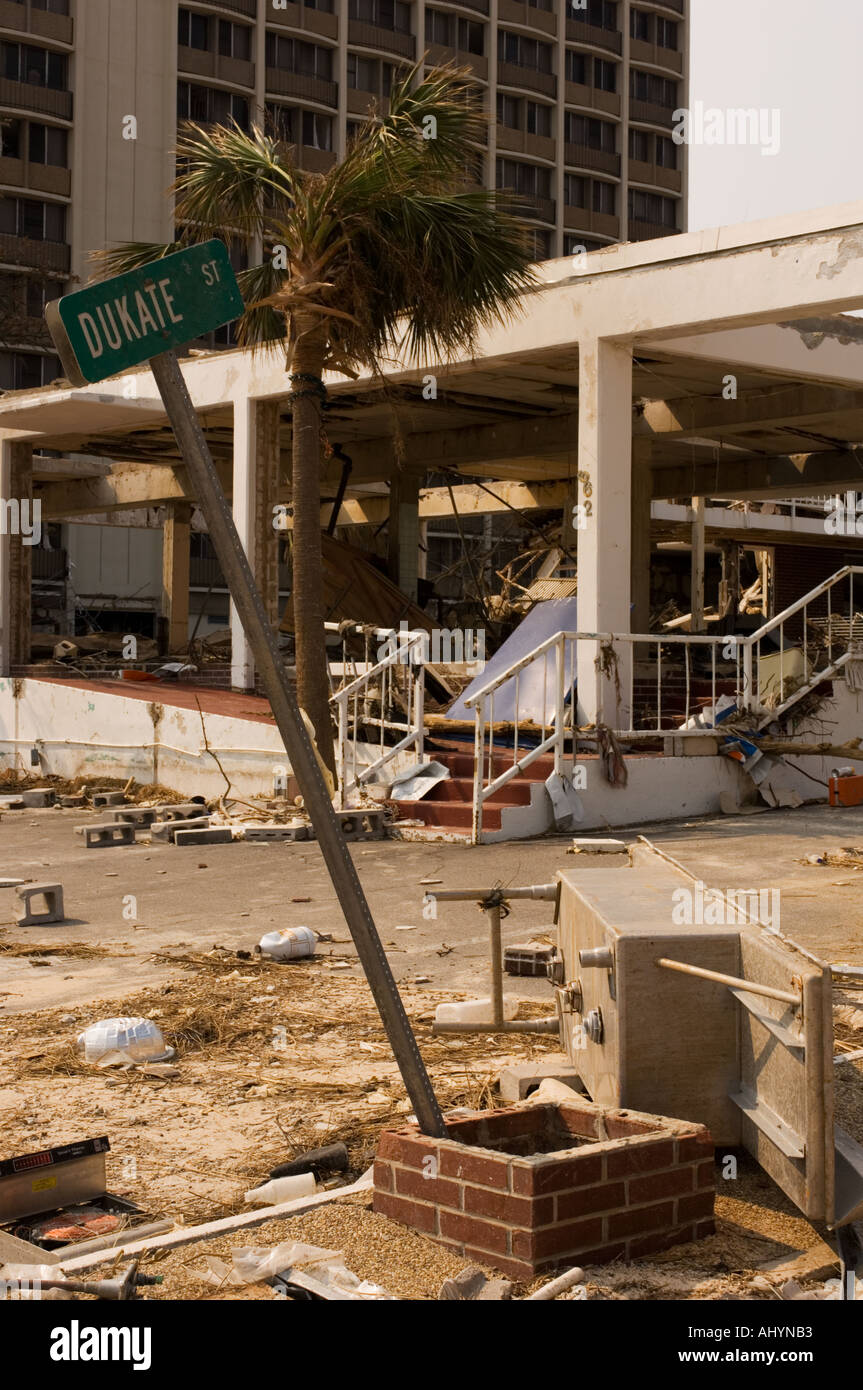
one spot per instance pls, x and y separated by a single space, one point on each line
800 59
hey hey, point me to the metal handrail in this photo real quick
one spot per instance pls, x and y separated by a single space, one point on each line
408 651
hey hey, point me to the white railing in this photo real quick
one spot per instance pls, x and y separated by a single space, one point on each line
386 701
762 682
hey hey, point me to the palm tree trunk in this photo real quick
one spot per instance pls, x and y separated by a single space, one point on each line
313 688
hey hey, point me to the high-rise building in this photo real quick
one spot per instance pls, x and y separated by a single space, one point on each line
581 95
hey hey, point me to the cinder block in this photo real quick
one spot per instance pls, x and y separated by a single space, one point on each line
528 958
39 796
134 815
75 802
187 810
276 832
167 829
216 835
109 799
521 1078
362 824
53 911
104 835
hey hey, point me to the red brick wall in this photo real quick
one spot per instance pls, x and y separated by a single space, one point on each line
649 1184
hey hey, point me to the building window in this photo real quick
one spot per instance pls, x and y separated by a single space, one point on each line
647 86
325 6
363 73
38 294
586 130
529 180
524 52
48 144
211 106
25 217
38 66
574 191
235 40
576 67
540 244
295 55
508 111
25 371
639 145
538 119
640 25
652 207
602 14
440 28
281 122
193 30
317 130
385 14
52 6
604 75
666 33
666 152
10 137
604 197
546 5
573 244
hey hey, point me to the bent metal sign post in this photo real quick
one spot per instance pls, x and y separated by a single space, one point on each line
120 323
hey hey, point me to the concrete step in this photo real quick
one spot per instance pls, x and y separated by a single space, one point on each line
461 765
514 793
454 815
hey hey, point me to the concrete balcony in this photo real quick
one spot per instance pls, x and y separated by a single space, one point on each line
311 21
26 19
527 79
521 142
515 12
29 96
316 161
591 223
246 7
530 207
655 56
651 113
294 84
648 231
381 40
655 175
50 256
358 102
577 94
42 178
584 157
592 36
200 62
438 55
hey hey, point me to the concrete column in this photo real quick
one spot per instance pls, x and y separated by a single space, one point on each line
255 484
17 526
404 531
640 512
696 585
175 575
605 465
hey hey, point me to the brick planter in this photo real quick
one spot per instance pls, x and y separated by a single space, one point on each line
534 1186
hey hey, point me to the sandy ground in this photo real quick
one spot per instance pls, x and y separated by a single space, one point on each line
275 1058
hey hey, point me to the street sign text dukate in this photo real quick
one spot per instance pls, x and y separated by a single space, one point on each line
119 323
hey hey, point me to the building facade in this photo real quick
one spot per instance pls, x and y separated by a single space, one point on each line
580 93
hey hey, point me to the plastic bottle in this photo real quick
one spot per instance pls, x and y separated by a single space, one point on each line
474 1010
282 1190
289 944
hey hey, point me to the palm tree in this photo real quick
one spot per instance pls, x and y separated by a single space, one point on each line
391 249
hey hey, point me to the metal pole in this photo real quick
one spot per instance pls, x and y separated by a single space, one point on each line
304 763
493 914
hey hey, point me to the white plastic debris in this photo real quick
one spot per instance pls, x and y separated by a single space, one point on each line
117 1041
474 1010
291 943
282 1190
327 1267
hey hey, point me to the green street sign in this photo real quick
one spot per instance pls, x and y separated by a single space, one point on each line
119 323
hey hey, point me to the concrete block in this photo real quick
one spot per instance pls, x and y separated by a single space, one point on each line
362 823
287 833
53 910
216 835
187 810
76 802
11 803
134 815
39 796
521 1078
109 799
104 835
588 845
528 958
166 830
690 746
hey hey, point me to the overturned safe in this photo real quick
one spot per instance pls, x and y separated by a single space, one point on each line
680 1001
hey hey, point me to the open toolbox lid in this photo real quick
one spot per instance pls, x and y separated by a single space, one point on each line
52 1178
